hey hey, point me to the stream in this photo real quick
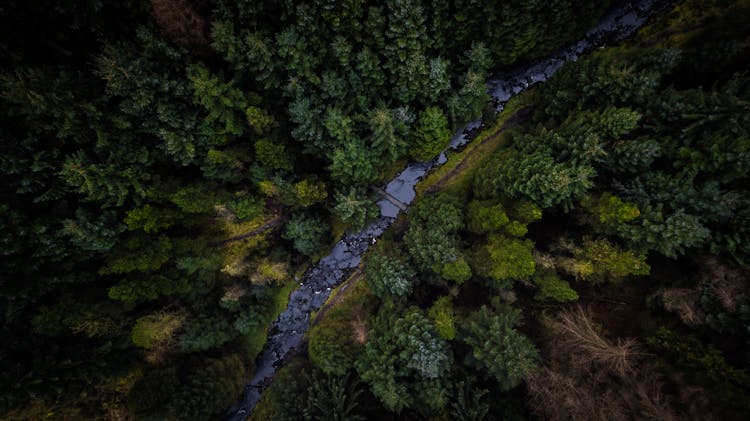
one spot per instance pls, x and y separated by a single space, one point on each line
287 332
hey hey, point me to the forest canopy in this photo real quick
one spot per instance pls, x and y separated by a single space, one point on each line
171 168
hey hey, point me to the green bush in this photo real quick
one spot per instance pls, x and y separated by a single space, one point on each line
551 287
457 271
443 317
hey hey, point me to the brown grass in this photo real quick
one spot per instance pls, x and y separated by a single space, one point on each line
359 331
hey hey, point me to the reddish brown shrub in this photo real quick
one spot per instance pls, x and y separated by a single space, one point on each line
180 23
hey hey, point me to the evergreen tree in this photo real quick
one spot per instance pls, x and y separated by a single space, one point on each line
355 208
333 398
538 177
405 356
498 348
389 276
503 259
431 134
307 232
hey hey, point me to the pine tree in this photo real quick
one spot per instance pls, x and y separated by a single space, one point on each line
306 232
498 348
389 276
431 134
355 208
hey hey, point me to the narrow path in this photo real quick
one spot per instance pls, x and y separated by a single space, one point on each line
265 227
353 279
519 117
385 195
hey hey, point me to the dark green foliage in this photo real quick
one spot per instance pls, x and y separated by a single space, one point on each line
92 234
439 210
152 391
351 164
389 276
498 348
610 77
469 403
127 158
333 398
355 208
146 289
668 234
405 48
431 134
287 395
388 132
423 350
404 360
330 349
307 232
431 239
206 332
538 177
208 387
469 101
224 103
429 248
336 341
139 253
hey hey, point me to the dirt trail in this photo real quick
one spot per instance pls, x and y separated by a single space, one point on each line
519 117
353 279
265 227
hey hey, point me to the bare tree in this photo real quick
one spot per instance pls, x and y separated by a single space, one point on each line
725 282
589 377
685 303
577 332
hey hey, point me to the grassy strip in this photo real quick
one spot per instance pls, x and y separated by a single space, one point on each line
455 173
331 301
257 337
